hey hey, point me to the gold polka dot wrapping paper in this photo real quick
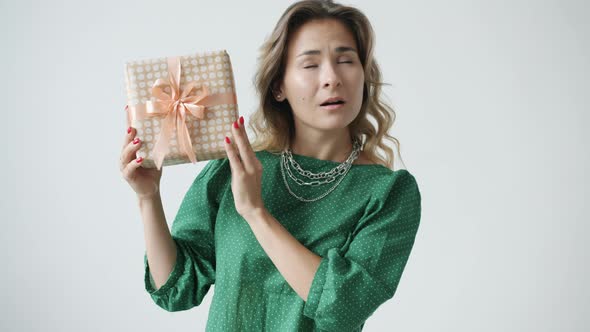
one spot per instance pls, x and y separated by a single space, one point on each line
181 106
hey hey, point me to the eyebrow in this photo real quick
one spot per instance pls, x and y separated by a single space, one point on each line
340 49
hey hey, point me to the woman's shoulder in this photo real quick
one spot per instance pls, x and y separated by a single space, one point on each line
363 159
214 168
263 153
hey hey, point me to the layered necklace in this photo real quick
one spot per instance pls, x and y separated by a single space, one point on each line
320 178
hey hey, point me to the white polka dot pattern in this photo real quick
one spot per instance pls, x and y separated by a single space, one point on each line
364 231
212 69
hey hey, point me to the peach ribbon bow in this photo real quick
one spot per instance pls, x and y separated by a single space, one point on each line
174 106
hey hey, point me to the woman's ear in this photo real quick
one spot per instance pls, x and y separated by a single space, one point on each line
278 95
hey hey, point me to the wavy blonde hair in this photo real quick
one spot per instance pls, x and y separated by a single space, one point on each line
273 124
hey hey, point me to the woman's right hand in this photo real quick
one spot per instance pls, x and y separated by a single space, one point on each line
144 181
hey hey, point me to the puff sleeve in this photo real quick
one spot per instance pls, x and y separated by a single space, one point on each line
353 281
193 234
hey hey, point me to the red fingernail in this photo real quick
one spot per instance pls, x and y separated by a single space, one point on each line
227 140
128 130
140 159
236 125
241 120
136 140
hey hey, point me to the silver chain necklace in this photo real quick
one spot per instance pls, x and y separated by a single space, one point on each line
329 176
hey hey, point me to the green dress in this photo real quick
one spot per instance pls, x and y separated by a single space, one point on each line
364 231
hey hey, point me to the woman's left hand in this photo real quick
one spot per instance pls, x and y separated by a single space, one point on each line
246 172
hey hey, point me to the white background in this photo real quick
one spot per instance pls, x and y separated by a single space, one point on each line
492 103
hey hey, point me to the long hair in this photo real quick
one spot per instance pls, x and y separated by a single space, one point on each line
273 123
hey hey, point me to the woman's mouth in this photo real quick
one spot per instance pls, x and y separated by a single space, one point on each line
332 105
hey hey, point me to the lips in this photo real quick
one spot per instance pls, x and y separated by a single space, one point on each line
333 101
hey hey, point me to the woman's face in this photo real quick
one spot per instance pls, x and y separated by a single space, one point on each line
322 62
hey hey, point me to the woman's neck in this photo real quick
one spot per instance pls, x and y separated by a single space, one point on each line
335 147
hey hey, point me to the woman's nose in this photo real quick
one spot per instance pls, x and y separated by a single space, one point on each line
331 76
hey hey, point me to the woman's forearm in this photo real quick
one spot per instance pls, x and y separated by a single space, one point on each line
160 247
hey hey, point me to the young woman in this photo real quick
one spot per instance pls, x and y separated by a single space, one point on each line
308 228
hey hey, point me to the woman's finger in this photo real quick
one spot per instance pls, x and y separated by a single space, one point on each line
130 133
129 136
130 151
234 160
130 168
245 149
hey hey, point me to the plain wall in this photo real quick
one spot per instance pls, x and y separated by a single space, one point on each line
492 102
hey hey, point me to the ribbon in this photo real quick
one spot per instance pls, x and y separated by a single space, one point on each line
174 106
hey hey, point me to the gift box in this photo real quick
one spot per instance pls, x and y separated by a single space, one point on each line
181 106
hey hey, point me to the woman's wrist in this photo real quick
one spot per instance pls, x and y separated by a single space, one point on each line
149 197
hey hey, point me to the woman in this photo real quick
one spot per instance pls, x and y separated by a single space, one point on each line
308 228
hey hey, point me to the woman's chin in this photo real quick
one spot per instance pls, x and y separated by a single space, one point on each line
333 123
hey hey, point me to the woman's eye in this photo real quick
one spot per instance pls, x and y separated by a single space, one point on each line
313 66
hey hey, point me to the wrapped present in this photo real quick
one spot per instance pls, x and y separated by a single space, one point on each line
182 107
